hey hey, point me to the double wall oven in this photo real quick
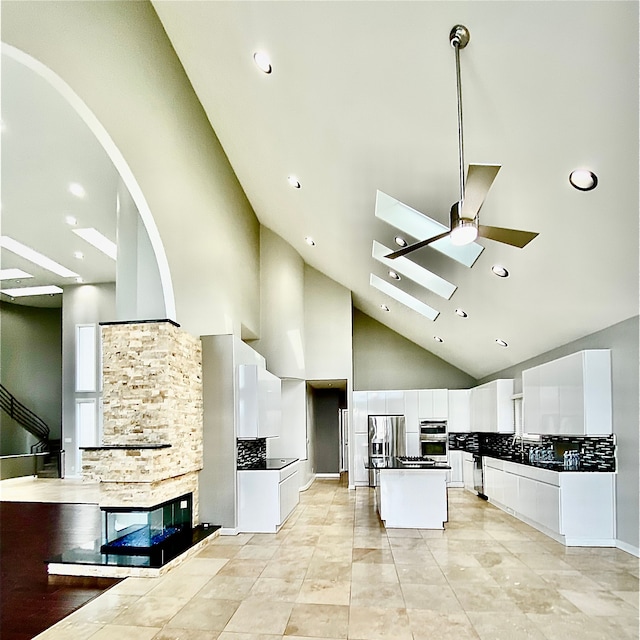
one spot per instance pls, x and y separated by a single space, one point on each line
434 440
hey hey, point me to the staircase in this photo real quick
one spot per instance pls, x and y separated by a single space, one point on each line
37 427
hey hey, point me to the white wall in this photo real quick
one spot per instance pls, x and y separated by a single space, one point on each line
118 59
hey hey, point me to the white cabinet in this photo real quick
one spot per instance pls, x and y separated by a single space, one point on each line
359 475
266 498
259 402
360 423
467 471
433 404
394 401
492 408
455 477
385 402
459 419
574 508
570 395
411 412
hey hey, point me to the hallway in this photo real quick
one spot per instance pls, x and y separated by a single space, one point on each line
333 572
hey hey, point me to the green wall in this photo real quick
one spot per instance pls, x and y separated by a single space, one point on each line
31 369
383 359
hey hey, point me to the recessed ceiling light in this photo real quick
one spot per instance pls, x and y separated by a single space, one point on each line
394 275
438 339
461 313
310 241
500 271
403 297
76 189
263 61
100 242
79 280
37 258
79 255
71 221
401 242
293 181
502 343
384 307
32 291
583 180
13 274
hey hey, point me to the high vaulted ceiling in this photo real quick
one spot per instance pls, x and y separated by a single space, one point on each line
362 98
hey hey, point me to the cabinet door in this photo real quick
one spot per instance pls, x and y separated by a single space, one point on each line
376 403
440 407
289 496
455 462
510 491
247 401
494 484
359 474
394 402
548 506
360 424
413 443
459 411
527 498
467 472
269 404
425 404
411 413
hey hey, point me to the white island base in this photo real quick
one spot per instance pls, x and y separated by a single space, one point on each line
412 498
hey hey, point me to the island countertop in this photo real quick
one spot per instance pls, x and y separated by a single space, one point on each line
398 465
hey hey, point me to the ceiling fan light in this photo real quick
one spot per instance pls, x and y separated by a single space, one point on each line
401 242
463 232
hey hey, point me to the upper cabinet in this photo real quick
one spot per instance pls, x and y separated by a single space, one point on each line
459 419
491 407
433 404
569 396
360 412
259 402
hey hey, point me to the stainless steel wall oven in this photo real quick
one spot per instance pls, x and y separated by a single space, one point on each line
434 440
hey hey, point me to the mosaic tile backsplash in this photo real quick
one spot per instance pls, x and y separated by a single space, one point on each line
596 453
251 452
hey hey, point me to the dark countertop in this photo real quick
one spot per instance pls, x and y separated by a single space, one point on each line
551 465
270 464
135 446
394 463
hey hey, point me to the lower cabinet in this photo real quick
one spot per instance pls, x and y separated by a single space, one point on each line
266 498
467 471
359 474
575 508
454 475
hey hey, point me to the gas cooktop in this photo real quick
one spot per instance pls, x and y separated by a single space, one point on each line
416 461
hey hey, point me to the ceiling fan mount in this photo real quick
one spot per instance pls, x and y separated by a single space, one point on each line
464 225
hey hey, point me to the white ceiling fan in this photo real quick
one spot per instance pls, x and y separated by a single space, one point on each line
464 225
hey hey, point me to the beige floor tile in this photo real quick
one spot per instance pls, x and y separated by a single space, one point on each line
246 568
598 603
327 570
456 559
200 566
66 630
239 539
372 623
509 626
134 586
383 556
171 633
544 561
440 598
411 556
149 611
205 614
111 631
331 621
578 626
219 551
374 572
468 575
175 583
518 576
227 588
334 554
229 635
104 608
630 597
434 625
256 552
572 580
324 592
383 594
289 570
420 574
280 589
260 616
614 580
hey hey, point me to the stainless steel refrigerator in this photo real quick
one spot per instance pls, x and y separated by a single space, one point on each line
386 440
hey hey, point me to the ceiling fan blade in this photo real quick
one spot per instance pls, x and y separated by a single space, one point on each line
514 237
415 246
480 177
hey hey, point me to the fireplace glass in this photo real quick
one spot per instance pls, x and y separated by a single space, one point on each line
138 531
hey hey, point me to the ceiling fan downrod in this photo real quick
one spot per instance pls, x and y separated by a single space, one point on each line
459 39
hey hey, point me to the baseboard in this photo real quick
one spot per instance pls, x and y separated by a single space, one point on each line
328 475
306 486
634 551
228 531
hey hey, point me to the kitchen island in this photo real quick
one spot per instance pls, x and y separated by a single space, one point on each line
411 496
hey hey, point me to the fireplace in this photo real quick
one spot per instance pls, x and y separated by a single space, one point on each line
155 531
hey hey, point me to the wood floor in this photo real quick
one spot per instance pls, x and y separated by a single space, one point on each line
30 533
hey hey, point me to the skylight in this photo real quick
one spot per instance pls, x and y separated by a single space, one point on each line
403 297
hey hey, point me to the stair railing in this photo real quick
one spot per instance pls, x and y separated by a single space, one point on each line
28 420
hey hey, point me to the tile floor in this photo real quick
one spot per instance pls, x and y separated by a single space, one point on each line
333 572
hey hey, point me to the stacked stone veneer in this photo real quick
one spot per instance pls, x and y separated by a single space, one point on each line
152 395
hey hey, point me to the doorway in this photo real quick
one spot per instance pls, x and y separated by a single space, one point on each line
327 409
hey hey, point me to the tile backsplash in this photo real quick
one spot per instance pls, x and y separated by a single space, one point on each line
597 453
251 452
